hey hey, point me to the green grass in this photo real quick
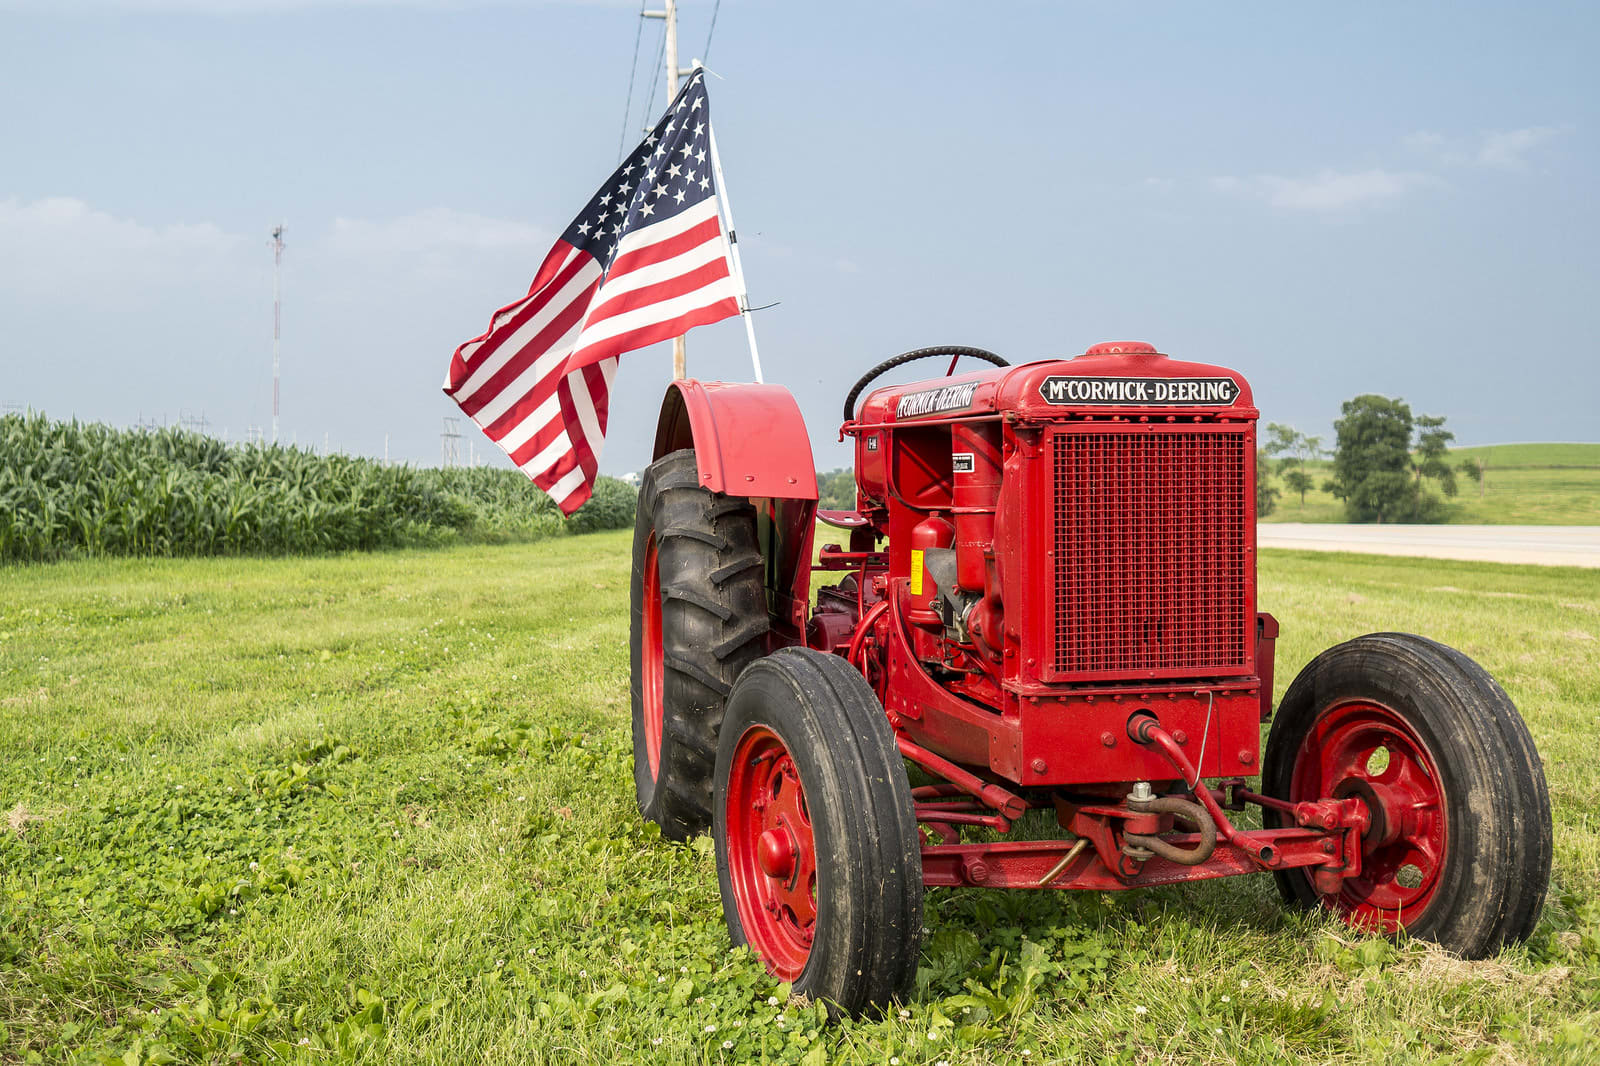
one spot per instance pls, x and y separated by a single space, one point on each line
1524 484
1558 453
378 808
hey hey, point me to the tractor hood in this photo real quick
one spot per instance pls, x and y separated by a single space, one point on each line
1116 378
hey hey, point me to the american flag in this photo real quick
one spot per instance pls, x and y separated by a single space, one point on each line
644 261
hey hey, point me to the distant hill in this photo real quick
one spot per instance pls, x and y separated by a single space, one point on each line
1533 455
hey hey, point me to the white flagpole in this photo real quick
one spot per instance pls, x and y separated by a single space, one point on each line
730 241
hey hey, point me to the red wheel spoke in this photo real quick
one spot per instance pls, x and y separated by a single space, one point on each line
1399 870
771 854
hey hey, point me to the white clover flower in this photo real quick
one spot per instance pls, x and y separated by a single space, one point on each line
1225 999
933 1034
1141 1010
1217 1031
904 1013
255 865
1244 984
711 1028
894 1060
772 1001
655 1041
726 1044
660 977
583 973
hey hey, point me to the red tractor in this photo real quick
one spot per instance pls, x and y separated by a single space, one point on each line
1046 602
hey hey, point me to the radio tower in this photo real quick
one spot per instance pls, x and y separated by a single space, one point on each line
277 319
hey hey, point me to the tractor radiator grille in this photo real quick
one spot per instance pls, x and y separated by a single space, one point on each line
1152 570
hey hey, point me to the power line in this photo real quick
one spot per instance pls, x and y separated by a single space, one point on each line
633 69
649 107
705 53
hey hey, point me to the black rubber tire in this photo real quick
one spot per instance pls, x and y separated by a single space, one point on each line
713 620
869 859
1496 865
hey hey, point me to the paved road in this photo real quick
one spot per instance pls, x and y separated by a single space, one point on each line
1545 545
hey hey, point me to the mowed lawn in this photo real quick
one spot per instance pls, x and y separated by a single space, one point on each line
378 808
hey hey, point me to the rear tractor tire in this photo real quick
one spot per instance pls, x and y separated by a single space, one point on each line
817 851
1460 844
699 615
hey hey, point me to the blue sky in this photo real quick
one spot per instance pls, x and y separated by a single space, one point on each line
1393 198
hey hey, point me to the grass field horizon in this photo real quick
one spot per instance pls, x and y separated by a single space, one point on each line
1553 483
378 808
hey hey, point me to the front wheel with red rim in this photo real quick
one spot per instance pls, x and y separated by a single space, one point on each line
1459 846
817 851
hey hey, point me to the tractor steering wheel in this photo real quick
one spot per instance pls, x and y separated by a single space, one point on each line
956 350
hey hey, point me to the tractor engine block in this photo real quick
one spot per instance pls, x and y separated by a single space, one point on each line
1067 540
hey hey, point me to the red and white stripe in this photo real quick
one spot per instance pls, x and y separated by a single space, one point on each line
538 382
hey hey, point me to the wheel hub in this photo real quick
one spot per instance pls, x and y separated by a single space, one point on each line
775 852
1366 751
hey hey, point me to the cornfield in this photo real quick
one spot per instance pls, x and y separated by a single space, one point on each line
71 489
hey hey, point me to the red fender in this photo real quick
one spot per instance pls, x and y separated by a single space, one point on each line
750 441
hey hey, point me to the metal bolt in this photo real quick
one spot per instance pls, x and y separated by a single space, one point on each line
1141 792
1180 736
1039 766
1246 756
1108 740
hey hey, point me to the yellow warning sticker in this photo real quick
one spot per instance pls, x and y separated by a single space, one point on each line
916 571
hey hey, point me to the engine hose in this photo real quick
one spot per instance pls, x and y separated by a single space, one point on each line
1182 808
906 357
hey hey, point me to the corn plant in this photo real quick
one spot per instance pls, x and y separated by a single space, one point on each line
70 488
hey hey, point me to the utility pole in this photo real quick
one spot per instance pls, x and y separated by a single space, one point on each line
277 319
669 12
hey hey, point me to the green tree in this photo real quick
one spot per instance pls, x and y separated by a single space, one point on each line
1293 450
1266 494
1374 470
836 489
1433 454
1300 482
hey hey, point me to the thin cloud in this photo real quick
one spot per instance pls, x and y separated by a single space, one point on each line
436 228
62 248
1326 191
1493 149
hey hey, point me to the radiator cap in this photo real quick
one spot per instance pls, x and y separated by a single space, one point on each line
1122 348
